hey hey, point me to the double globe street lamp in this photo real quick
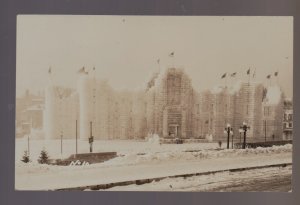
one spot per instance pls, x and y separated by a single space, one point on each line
228 131
244 128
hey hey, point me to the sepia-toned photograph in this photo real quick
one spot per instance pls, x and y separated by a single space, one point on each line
154 103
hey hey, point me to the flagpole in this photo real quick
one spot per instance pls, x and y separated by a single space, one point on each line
269 80
94 97
171 55
248 93
254 73
249 77
173 62
158 62
224 76
276 74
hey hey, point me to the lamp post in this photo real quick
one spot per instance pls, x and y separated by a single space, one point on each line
245 128
28 145
232 140
241 131
61 143
228 130
91 138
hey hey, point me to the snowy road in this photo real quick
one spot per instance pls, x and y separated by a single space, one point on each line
266 179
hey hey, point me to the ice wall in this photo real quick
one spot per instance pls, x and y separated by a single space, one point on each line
85 105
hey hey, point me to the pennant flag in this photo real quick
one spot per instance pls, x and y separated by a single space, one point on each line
254 73
49 71
82 71
224 75
268 76
248 71
276 73
233 74
171 54
264 94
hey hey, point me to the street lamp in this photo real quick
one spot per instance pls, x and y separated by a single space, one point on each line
228 130
241 131
91 138
245 128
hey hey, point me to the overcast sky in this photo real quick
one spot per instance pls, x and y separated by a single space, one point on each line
125 49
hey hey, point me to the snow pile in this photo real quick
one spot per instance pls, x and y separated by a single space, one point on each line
34 168
154 139
209 137
138 152
157 157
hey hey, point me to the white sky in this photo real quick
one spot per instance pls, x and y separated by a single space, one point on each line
125 49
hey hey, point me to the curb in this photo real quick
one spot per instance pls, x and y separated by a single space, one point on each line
149 180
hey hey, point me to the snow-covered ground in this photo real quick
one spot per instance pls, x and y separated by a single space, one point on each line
224 181
122 147
137 160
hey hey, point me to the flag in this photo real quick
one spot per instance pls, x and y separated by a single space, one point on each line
276 73
233 74
268 76
224 75
264 94
82 71
248 71
254 73
171 54
49 71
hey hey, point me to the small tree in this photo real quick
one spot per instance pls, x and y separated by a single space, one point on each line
44 158
25 157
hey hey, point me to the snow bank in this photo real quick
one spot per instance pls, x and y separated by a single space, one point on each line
154 139
156 157
149 158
